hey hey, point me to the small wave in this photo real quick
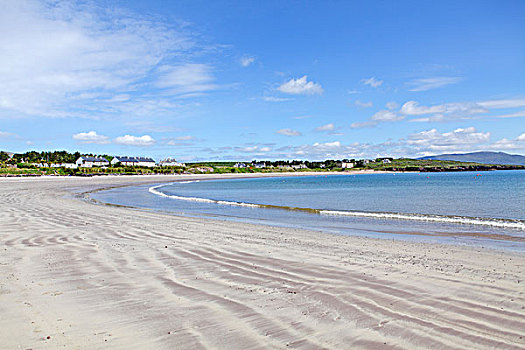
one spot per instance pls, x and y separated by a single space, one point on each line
503 223
431 218
201 200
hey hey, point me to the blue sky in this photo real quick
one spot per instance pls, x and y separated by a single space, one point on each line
231 80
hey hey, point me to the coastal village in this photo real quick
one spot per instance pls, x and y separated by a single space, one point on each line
31 160
65 163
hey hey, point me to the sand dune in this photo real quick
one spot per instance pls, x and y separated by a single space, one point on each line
94 276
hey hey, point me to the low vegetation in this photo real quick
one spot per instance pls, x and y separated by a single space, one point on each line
47 163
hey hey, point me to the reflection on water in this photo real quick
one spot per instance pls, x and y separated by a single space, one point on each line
463 208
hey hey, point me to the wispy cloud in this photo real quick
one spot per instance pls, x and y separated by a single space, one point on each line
275 99
185 138
187 78
391 105
432 83
373 82
91 137
365 124
302 117
77 59
326 127
288 132
247 60
301 86
500 104
414 112
5 134
363 104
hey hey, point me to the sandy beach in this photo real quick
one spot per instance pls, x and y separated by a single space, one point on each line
76 275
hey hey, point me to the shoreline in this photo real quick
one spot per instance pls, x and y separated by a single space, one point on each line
93 276
406 217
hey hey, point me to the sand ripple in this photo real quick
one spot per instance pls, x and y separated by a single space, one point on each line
93 276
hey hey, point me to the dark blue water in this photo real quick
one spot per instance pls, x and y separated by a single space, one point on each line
486 208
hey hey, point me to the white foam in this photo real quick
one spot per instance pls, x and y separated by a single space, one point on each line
201 200
431 218
514 224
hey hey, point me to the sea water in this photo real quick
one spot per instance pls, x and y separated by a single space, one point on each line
485 208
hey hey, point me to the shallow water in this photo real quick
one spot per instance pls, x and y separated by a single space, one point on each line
486 208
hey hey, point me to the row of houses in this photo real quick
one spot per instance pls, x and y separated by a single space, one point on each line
260 165
90 162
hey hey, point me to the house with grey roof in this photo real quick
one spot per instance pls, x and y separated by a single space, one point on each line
89 162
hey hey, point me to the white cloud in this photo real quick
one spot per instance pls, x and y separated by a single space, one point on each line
247 60
74 56
248 149
363 104
91 137
444 112
4 134
505 144
386 116
301 86
413 108
432 83
458 139
418 144
373 82
288 132
455 109
326 127
379 117
328 144
130 140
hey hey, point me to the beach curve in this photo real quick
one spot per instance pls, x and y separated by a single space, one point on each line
91 276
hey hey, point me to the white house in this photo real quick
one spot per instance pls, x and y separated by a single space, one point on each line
259 165
171 162
299 166
347 165
387 161
89 162
239 165
134 161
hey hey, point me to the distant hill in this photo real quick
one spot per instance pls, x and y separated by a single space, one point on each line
482 157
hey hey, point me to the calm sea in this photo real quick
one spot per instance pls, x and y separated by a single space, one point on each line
486 208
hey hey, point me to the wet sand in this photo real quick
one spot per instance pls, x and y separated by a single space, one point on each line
95 276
